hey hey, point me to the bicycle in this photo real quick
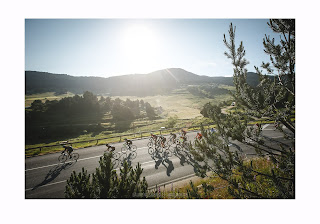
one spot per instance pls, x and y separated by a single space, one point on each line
152 140
167 152
126 148
172 139
182 143
157 148
64 156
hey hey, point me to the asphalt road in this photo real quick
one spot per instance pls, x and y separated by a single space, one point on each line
45 177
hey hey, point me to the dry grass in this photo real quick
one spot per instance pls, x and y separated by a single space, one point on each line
44 96
179 102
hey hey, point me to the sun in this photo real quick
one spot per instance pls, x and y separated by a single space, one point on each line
140 48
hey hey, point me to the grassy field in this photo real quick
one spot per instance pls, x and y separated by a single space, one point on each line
180 102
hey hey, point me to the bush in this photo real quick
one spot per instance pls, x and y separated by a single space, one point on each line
172 121
105 183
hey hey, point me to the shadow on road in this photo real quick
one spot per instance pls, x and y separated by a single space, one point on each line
128 157
53 173
170 166
164 160
186 157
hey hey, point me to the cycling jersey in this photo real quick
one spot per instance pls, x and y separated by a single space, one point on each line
112 148
68 148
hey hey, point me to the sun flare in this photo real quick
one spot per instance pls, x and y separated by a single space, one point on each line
140 48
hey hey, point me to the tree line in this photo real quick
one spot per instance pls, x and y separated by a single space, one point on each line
70 116
209 91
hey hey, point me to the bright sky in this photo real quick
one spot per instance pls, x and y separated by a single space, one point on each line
109 47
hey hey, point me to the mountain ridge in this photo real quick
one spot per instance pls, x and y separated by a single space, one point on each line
157 82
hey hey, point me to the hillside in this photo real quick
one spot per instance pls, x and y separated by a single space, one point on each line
158 82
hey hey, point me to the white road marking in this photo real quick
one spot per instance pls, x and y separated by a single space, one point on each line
69 161
60 163
59 182
264 126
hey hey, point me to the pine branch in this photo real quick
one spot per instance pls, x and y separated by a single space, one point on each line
263 174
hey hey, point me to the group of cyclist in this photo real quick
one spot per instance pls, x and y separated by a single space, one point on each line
156 140
172 138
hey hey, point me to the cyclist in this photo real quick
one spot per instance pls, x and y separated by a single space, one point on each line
67 148
128 142
154 137
258 126
173 137
162 141
183 133
182 140
110 148
199 136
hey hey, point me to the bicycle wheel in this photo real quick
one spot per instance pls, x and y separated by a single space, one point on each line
149 144
150 151
115 163
132 155
133 148
178 148
124 149
62 158
116 155
75 156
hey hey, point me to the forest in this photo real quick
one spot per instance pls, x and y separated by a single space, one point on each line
209 91
71 116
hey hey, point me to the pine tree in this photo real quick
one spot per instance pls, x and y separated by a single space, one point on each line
271 99
150 111
106 183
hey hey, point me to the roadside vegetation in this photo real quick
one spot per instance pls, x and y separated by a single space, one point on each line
106 183
214 187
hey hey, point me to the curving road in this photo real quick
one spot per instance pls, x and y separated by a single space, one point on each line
45 177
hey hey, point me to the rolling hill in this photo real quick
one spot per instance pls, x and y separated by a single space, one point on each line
158 82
